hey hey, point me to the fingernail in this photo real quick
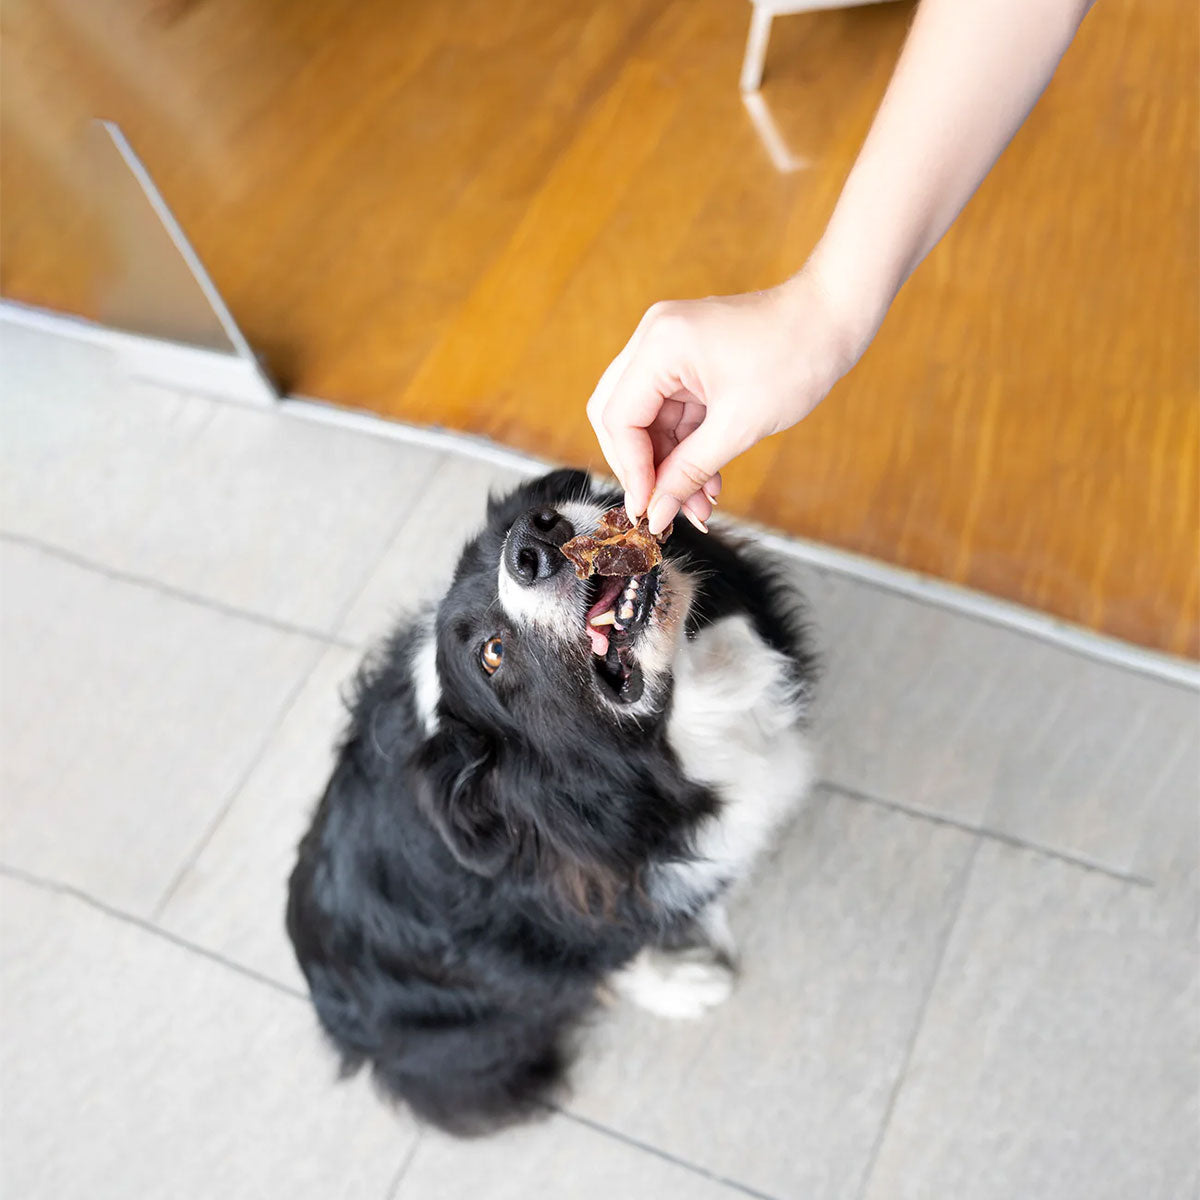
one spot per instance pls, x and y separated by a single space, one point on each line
633 516
712 500
712 488
662 512
695 520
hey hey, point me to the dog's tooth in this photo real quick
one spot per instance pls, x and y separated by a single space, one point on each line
604 618
626 613
633 585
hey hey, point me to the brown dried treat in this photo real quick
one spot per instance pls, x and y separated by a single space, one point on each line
618 547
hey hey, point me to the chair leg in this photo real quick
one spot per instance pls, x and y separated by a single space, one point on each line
756 48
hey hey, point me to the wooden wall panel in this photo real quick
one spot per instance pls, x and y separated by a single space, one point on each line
455 214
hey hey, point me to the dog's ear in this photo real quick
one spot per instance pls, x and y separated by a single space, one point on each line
454 791
566 483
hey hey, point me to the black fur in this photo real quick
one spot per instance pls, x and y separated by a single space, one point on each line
460 896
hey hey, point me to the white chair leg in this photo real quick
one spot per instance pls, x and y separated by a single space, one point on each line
756 48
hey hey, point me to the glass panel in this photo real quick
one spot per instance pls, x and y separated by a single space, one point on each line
147 286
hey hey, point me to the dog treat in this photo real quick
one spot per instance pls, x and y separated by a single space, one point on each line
618 547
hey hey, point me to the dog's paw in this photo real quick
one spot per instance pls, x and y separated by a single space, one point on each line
682 985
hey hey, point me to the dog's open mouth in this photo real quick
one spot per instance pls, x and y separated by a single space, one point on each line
619 609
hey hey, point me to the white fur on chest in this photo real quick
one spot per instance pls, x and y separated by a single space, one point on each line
736 727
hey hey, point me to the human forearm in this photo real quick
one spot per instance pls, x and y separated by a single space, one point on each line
968 76
701 381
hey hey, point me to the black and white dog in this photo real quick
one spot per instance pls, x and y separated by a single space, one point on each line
529 806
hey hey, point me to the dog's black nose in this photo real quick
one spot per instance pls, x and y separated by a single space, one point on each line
532 550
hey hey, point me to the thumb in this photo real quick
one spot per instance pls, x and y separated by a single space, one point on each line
688 468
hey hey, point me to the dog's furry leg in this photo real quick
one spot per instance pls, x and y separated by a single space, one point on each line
689 972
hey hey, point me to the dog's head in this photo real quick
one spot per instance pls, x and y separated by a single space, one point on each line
543 731
523 626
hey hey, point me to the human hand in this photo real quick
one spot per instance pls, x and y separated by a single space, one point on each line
701 381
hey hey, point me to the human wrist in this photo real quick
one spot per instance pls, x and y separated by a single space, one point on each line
858 288
818 301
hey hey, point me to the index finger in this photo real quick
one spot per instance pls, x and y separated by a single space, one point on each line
595 410
630 411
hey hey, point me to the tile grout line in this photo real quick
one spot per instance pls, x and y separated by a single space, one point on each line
394 1188
175 593
119 914
437 460
665 1155
77 894
108 910
994 835
918 1025
235 791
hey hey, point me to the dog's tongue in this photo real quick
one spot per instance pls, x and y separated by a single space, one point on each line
598 635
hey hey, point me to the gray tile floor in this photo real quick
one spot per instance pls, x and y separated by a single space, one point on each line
970 967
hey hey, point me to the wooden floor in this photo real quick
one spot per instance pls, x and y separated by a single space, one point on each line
454 214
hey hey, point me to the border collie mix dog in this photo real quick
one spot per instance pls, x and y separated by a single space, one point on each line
528 807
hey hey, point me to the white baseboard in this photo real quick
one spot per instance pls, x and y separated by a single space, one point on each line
926 588
435 437
1006 613
224 376
188 369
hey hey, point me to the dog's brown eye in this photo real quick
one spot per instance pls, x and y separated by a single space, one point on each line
492 655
